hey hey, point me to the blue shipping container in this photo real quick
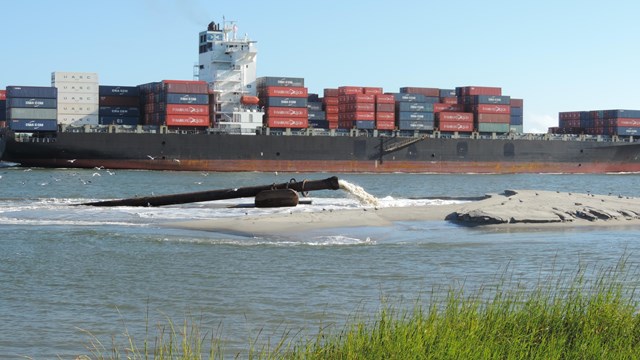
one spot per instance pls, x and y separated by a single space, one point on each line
286 102
317 115
32 92
364 124
415 125
119 120
516 111
410 97
45 103
624 114
447 93
314 106
118 111
412 116
279 81
196 99
627 130
414 106
318 124
108 90
33 125
487 99
516 120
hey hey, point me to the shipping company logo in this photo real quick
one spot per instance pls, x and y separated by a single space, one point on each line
34 102
34 125
188 99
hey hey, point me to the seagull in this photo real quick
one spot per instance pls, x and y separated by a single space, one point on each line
151 157
177 160
96 174
110 172
71 160
29 169
99 167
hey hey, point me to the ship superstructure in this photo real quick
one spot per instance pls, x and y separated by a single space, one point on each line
228 64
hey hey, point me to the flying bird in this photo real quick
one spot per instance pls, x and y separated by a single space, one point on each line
151 157
71 160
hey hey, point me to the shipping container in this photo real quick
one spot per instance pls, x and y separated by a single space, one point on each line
456 126
346 90
119 101
410 97
287 112
31 114
314 106
622 114
383 107
317 115
32 103
77 88
187 120
119 120
279 81
478 90
182 109
516 111
82 98
287 122
516 120
372 90
411 116
485 99
448 107
196 99
414 106
333 109
458 117
119 111
185 86
78 77
447 93
430 92
624 122
415 125
31 92
364 124
33 125
283 91
385 99
358 115
66 108
626 130
358 98
318 124
3 95
449 100
285 102
334 117
114 90
330 100
385 125
517 103
356 106
493 118
313 98
78 119
493 128
331 93
491 109
385 116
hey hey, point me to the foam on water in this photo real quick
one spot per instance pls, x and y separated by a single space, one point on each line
358 192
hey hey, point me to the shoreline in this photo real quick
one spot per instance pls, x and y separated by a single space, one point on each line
513 209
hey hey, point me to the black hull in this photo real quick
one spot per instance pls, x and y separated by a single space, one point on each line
223 152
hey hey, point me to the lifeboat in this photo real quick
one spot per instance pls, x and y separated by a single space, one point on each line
249 100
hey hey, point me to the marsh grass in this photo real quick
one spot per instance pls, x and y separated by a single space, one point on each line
590 313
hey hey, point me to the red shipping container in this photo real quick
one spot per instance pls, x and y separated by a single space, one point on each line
480 90
285 91
449 100
493 118
517 103
187 120
289 112
3 94
333 117
630 122
186 86
372 90
287 122
346 90
492 109
385 125
385 107
420 90
330 100
358 106
460 117
385 99
331 109
569 115
365 98
438 107
331 93
456 126
385 116
178 109
360 115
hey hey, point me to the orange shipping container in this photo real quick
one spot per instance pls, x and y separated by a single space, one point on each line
331 109
385 116
372 90
493 118
438 107
420 90
455 126
454 117
3 94
287 122
330 100
385 99
385 125
385 107
345 90
331 93
187 120
492 109
449 100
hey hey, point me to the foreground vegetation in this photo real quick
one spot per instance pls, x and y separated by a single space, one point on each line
578 318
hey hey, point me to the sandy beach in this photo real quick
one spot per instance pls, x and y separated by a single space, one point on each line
511 209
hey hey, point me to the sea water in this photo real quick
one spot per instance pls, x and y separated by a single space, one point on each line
72 274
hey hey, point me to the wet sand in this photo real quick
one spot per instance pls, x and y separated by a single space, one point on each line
511 209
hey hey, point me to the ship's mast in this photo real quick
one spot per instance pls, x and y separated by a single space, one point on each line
228 64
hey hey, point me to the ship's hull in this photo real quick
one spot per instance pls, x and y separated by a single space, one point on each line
223 152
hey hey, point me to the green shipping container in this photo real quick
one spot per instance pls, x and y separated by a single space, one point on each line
493 128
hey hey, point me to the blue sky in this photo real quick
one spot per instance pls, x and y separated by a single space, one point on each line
556 55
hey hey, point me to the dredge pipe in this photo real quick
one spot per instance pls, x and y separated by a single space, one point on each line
162 200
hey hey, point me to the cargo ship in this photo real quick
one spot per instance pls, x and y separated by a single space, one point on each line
231 120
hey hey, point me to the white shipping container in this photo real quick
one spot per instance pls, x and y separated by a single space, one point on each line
77 120
75 88
75 108
79 98
77 77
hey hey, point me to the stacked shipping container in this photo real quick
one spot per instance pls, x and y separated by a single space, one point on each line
31 108
331 106
449 115
414 111
119 105
491 110
600 122
285 102
316 115
176 103
517 117
77 97
3 108
357 107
